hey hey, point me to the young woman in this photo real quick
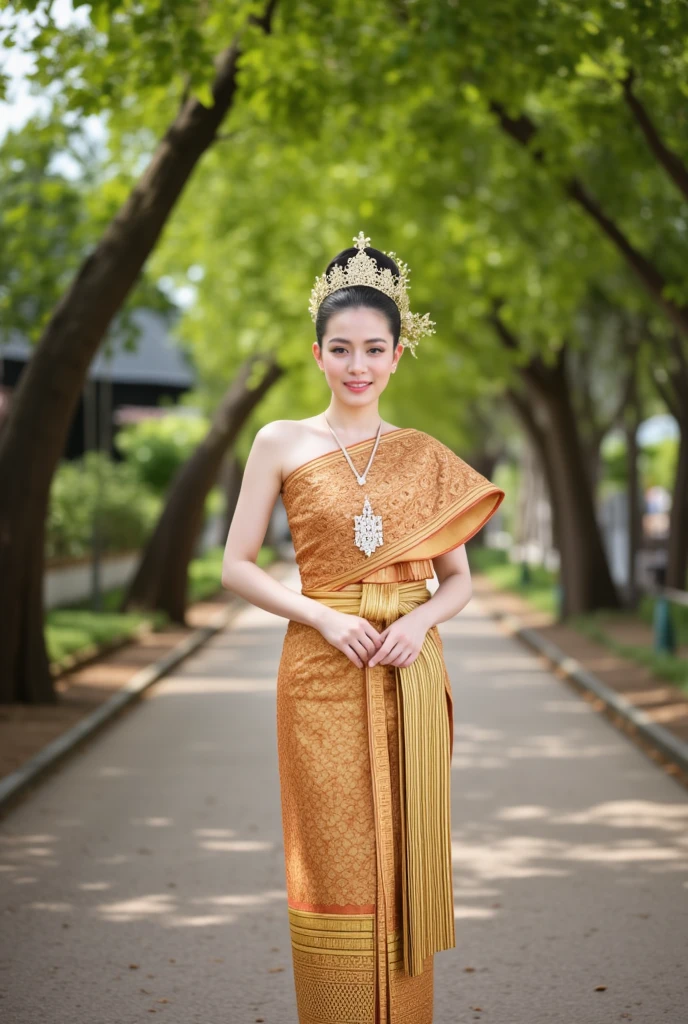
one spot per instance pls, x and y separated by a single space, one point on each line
364 702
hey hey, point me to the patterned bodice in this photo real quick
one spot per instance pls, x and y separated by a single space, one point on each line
430 501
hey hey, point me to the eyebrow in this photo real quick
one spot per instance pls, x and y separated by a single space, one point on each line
348 342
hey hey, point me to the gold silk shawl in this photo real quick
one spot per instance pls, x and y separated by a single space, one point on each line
364 754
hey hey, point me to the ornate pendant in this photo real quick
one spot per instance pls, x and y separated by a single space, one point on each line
368 529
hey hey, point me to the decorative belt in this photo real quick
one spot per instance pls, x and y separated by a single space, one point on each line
424 773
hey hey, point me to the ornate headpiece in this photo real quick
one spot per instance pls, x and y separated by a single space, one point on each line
363 269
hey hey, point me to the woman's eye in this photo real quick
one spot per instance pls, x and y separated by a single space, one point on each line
339 348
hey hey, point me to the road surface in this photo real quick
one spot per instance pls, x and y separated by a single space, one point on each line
147 875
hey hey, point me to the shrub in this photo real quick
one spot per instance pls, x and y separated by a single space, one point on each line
157 447
127 509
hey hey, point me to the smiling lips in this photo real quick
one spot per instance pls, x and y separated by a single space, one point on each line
357 386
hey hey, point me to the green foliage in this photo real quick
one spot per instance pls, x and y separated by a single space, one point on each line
656 463
126 510
156 448
74 630
58 195
43 226
540 591
382 117
660 467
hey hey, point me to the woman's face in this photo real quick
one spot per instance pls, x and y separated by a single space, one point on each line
357 348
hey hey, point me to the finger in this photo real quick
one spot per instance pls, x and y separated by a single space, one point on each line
399 651
362 649
352 655
382 655
401 660
372 643
372 633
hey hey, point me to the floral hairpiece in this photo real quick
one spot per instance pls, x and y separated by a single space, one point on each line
363 269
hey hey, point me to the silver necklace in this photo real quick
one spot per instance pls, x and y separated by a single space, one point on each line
367 526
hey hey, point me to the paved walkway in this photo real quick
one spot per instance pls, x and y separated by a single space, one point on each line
147 874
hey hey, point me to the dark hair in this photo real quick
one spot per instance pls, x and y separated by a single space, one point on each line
360 295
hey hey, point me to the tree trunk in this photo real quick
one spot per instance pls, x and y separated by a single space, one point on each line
589 584
537 434
632 421
160 583
585 577
33 438
677 555
484 462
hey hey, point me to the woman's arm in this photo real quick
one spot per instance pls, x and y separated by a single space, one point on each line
261 484
455 588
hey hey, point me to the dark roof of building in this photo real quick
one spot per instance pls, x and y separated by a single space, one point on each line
157 359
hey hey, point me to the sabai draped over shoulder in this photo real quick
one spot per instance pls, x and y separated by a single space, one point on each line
430 499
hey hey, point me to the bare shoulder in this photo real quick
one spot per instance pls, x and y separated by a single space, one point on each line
292 443
282 444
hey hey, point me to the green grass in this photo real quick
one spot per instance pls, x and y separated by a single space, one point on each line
77 628
541 592
665 666
70 631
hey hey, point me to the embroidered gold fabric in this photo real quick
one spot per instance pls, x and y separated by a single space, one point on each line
364 752
430 500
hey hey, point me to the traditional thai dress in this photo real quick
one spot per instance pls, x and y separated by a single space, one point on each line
364 754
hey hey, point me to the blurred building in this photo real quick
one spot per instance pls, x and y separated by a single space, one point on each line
122 388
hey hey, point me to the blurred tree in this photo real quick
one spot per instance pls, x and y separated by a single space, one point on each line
399 118
160 582
99 64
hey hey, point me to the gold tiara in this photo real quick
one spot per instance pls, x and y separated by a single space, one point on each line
363 269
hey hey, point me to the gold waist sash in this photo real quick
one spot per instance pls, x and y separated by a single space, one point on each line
424 773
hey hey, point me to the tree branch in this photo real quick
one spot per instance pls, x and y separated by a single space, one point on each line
670 161
523 130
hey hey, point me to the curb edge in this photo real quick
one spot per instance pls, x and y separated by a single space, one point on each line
35 767
656 735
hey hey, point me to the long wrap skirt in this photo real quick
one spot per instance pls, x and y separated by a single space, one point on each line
364 761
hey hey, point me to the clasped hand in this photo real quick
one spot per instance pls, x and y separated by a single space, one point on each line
399 644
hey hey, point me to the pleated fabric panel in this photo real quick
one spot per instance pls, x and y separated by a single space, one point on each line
427 892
